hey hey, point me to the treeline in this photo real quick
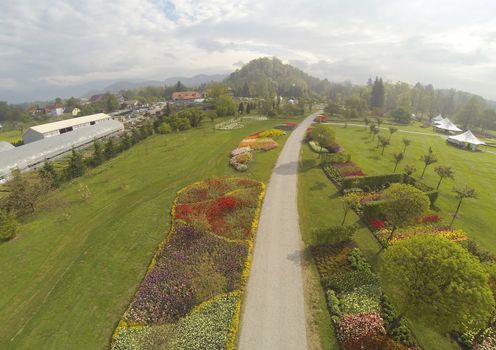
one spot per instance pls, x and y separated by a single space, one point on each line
400 100
269 77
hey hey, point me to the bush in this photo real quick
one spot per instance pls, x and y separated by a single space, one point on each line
314 146
9 227
375 182
333 234
347 281
164 128
336 157
373 209
357 261
333 303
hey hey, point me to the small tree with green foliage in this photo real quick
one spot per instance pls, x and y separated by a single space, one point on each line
383 142
9 227
50 175
438 281
350 201
406 143
398 157
323 135
98 155
24 191
462 193
164 128
225 105
410 169
75 167
428 159
392 130
110 150
403 206
444 172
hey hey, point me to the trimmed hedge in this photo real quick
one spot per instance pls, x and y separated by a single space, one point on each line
373 209
373 181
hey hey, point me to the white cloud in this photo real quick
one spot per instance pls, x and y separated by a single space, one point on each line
57 43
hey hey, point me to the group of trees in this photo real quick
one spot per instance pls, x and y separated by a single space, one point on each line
400 100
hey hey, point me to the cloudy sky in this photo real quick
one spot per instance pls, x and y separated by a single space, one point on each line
60 47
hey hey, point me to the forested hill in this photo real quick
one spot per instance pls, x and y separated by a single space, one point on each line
270 77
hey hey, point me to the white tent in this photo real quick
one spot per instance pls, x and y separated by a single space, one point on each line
437 119
446 125
466 137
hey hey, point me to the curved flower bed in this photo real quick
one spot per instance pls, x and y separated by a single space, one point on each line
190 297
260 141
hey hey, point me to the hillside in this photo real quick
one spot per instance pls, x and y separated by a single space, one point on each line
270 76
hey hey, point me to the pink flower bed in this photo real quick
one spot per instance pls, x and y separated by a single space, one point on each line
354 329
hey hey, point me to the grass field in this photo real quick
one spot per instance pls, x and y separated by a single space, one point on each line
475 169
10 136
70 274
319 203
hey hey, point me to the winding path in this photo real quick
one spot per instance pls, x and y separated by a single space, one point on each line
274 310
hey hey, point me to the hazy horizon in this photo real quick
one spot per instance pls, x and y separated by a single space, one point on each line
62 46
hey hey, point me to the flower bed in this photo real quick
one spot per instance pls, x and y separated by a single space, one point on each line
456 235
337 171
191 293
230 124
289 126
260 141
359 310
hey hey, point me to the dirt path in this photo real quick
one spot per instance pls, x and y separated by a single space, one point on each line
274 310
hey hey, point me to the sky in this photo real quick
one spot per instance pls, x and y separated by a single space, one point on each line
56 48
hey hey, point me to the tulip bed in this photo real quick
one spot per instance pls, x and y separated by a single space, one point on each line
360 311
260 141
190 297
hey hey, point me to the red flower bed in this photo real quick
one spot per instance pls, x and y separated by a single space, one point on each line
430 219
376 224
321 119
348 169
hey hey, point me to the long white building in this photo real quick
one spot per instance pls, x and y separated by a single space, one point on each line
40 132
34 154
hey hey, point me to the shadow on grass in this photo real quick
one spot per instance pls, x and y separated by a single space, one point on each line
307 164
318 186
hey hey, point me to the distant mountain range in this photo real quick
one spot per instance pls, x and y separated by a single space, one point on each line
187 81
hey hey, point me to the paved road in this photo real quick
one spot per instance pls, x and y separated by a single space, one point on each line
274 310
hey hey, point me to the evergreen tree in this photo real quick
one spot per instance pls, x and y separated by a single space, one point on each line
246 90
377 95
76 166
50 175
98 156
110 149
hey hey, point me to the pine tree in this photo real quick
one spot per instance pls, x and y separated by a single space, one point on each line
76 166
246 90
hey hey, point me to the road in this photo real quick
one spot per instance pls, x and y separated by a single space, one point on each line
274 310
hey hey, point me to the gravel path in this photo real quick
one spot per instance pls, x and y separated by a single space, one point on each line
274 310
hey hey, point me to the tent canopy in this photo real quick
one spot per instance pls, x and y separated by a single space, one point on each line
437 119
446 124
467 137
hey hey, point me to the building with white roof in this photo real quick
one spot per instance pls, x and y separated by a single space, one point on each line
34 154
43 131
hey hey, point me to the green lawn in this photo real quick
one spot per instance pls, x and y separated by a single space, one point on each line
477 169
10 136
319 203
70 274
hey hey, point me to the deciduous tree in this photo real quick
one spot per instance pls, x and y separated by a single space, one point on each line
438 281
403 205
444 172
461 194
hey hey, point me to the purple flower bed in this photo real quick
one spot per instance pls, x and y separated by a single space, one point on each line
169 290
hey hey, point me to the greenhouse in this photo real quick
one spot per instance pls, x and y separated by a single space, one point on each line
36 153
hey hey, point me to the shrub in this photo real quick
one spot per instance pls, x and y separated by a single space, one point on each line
333 234
357 261
333 303
347 281
314 146
374 209
9 227
375 182
164 128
